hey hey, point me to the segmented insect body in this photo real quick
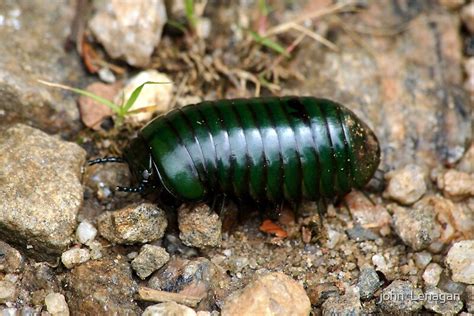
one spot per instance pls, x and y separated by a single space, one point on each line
266 149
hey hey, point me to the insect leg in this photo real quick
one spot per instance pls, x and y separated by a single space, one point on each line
218 203
106 160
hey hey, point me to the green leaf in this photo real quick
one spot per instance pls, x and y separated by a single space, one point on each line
189 10
177 25
134 96
91 95
263 7
265 41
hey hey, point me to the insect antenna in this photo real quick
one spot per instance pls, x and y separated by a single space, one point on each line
106 160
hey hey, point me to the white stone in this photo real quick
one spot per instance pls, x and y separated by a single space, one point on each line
460 260
168 309
85 232
432 274
75 256
56 304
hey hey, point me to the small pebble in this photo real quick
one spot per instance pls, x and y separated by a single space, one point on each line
75 256
106 75
11 260
199 227
401 297
432 274
422 259
359 233
56 304
95 249
7 292
136 223
456 185
467 16
460 260
368 283
150 259
469 298
406 185
333 239
348 304
168 309
416 226
318 293
380 262
442 302
85 232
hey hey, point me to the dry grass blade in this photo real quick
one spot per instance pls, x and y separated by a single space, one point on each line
315 36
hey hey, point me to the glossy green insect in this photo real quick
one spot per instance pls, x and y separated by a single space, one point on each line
268 150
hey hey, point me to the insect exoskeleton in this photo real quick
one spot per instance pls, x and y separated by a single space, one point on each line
269 150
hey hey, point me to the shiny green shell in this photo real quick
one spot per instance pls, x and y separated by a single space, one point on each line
266 149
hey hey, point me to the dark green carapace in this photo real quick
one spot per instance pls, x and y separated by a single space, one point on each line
263 149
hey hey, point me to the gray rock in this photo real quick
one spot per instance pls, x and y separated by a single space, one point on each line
130 29
368 283
56 304
319 293
272 294
168 309
137 223
40 190
469 298
37 281
406 185
150 259
442 302
460 261
346 305
101 287
432 274
8 292
387 88
416 226
401 297
359 233
11 261
422 259
199 227
33 36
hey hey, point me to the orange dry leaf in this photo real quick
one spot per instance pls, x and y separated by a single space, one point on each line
270 227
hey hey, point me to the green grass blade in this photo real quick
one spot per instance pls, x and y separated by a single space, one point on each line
85 93
265 41
189 10
134 96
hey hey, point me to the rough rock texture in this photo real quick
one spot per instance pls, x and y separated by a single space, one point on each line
432 274
460 261
137 223
415 226
8 292
33 36
406 185
199 227
75 256
168 309
456 185
348 304
448 305
406 84
37 281
272 294
93 112
368 283
150 259
198 277
11 261
365 213
401 297
56 304
137 23
40 190
101 287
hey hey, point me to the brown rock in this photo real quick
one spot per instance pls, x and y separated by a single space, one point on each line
102 287
137 223
406 185
199 227
460 261
367 214
93 112
272 294
467 15
11 261
456 185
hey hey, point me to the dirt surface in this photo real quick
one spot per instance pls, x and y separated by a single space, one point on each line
404 67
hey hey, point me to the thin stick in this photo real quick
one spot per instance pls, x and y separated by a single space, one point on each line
315 36
152 295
